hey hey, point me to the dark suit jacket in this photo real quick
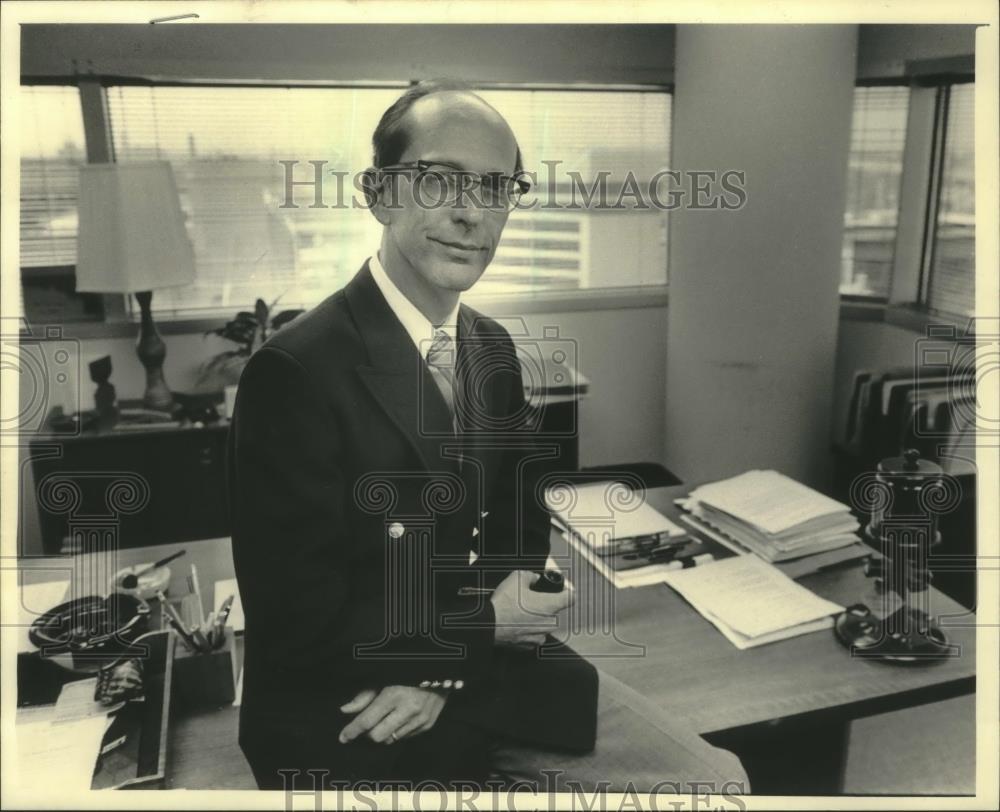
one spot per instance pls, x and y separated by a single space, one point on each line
354 512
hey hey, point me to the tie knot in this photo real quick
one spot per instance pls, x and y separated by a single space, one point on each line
440 354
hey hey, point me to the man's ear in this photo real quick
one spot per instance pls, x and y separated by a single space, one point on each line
373 185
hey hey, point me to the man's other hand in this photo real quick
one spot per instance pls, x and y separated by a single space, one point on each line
394 713
524 617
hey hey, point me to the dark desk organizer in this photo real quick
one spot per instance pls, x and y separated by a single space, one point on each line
141 762
205 680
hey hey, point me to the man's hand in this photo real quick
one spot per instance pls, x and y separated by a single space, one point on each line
524 617
396 712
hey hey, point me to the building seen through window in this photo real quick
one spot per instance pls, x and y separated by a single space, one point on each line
875 169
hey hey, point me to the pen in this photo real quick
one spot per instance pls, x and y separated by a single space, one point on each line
174 620
474 590
196 588
218 627
131 581
209 629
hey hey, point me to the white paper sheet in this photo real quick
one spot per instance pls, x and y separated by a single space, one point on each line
767 500
223 589
63 754
600 520
750 596
76 701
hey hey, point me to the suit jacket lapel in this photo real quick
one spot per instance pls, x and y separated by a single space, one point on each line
397 376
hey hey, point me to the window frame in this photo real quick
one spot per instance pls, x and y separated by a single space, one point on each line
875 300
906 304
923 167
98 131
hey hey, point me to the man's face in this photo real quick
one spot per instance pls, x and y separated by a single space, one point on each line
448 246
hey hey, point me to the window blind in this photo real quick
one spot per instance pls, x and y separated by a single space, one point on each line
875 170
225 144
951 286
52 150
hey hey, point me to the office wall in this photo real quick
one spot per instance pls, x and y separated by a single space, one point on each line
501 53
624 418
754 300
884 50
621 352
579 53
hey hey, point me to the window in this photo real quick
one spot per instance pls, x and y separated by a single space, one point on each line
951 281
52 150
875 168
225 144
562 246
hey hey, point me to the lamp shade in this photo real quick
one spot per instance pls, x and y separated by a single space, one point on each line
131 235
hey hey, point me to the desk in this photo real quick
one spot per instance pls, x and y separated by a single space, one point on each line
686 665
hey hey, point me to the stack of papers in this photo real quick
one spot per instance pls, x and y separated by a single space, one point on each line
751 602
623 537
774 516
51 753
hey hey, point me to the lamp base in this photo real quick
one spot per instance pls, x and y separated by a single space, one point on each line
906 636
152 352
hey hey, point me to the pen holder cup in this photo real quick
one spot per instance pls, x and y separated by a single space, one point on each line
205 679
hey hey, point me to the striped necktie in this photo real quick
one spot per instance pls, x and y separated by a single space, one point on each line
441 361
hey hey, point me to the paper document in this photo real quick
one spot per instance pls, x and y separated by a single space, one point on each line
76 701
61 754
602 515
773 516
223 589
768 500
752 599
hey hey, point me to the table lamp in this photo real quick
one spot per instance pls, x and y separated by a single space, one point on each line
132 239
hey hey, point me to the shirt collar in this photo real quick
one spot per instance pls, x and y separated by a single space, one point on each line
416 324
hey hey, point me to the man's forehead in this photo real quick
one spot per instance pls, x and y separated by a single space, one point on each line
460 128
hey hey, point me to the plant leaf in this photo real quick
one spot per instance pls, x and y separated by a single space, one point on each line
284 317
261 310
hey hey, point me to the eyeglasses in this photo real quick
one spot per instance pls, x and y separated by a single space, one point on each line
440 184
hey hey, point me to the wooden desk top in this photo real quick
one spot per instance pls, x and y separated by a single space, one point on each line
664 649
656 643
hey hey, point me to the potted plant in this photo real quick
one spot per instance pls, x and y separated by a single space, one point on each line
248 331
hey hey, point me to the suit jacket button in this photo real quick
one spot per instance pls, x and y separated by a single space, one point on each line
435 684
396 530
446 683
425 684
459 685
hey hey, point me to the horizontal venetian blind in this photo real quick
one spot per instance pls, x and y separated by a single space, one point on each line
587 132
225 145
875 171
951 286
52 150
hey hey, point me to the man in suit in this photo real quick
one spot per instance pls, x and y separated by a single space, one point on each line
387 529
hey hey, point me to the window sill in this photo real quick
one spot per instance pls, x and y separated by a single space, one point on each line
919 320
521 305
571 301
907 317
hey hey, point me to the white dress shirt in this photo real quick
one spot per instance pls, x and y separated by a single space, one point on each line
416 324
